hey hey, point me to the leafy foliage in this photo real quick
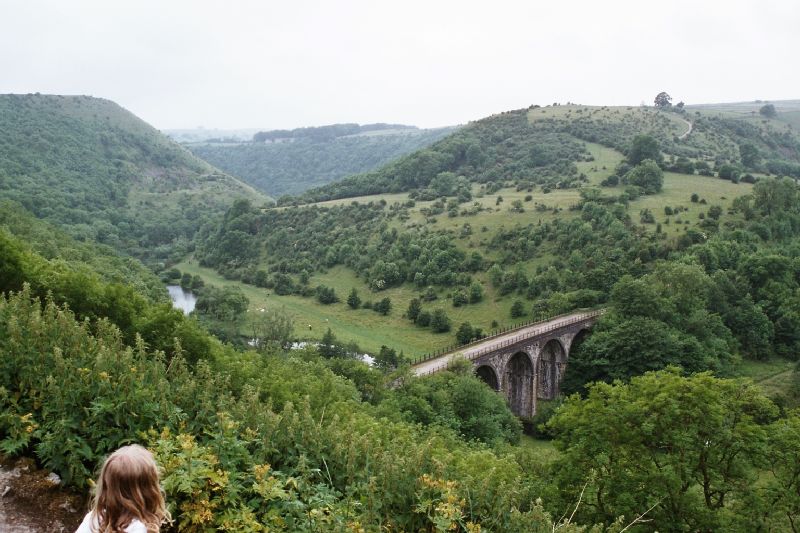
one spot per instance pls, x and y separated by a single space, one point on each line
243 440
686 450
102 174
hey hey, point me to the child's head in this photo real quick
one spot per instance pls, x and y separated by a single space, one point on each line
128 488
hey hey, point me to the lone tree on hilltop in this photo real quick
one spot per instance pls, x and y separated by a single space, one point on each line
768 110
663 100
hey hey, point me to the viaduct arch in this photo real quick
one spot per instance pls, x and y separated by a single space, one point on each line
525 364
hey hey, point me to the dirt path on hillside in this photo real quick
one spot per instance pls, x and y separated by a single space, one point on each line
686 134
31 500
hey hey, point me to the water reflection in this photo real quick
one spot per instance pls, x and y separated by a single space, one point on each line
182 299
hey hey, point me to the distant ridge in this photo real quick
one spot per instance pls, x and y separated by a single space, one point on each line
281 162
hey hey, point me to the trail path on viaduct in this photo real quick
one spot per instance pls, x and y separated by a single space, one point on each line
471 352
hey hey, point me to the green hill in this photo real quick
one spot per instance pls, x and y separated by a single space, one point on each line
293 163
697 267
59 248
542 145
102 174
527 216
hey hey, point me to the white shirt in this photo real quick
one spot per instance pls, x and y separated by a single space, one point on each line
91 525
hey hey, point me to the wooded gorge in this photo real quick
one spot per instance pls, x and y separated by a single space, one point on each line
673 419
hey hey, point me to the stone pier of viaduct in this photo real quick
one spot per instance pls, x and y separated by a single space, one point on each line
525 364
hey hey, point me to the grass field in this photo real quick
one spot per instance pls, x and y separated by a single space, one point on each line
371 330
542 448
364 326
774 376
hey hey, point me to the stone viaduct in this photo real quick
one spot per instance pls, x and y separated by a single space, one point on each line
525 364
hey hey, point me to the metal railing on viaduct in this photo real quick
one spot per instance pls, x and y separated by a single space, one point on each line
499 340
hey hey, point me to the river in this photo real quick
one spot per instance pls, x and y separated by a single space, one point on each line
182 299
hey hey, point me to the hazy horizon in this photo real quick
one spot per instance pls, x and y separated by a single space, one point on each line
253 65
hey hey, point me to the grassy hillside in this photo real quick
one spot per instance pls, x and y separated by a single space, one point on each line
279 168
787 111
544 145
345 244
494 149
102 174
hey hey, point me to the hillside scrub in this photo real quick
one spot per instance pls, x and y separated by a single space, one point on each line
243 440
698 453
247 442
103 175
498 148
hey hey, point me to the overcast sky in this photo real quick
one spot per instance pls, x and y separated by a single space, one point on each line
290 63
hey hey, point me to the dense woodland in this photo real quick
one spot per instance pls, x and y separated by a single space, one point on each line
283 162
500 147
104 175
660 433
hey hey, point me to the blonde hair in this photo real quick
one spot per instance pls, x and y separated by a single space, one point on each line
128 488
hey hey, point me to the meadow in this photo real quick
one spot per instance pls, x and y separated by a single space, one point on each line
370 330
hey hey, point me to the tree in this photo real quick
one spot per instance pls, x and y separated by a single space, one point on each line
475 292
517 309
465 333
328 346
647 175
424 319
663 100
749 155
440 322
384 306
646 216
728 172
387 359
443 183
326 295
654 321
414 309
644 147
227 304
768 110
458 400
353 300
685 447
782 492
272 327
460 298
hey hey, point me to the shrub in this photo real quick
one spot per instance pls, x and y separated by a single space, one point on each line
440 322
465 333
517 309
326 295
460 298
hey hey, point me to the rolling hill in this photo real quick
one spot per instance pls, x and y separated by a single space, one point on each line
295 161
93 168
520 205
541 146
